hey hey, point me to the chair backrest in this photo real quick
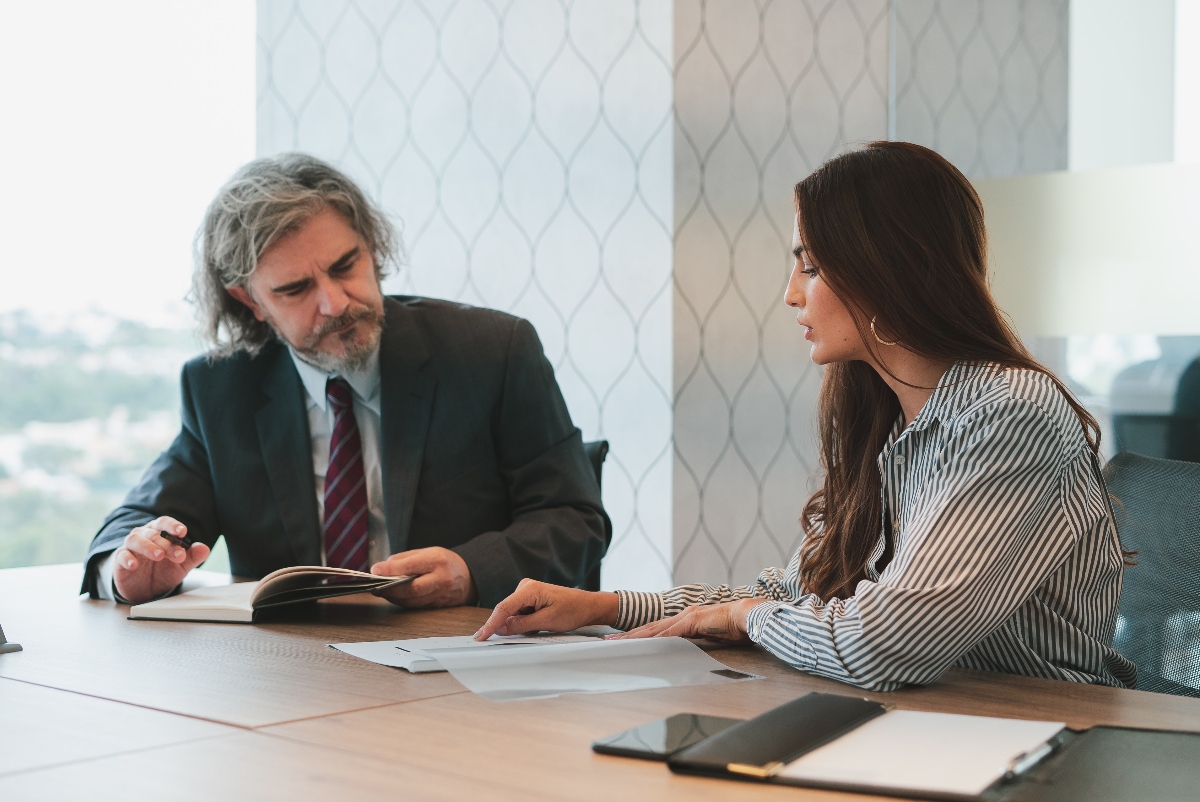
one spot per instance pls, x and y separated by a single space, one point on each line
1175 437
596 451
1157 510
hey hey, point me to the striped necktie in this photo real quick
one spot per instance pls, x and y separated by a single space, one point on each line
345 485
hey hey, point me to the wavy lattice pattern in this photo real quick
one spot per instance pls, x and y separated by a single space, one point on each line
526 148
984 82
620 173
765 91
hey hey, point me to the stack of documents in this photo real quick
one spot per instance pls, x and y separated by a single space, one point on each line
417 655
519 667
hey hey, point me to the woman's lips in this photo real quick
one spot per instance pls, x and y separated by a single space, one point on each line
807 331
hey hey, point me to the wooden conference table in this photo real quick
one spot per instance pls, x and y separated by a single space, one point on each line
98 707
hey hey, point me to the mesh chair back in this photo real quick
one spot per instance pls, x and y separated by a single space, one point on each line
596 451
1157 511
1174 437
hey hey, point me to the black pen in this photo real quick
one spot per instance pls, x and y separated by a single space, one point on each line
184 543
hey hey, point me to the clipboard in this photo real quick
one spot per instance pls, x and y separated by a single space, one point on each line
852 744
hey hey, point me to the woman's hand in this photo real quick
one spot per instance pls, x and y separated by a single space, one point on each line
725 622
536 606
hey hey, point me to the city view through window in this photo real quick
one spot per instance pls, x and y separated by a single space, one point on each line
118 129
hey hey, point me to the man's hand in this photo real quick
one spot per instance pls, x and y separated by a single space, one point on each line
147 565
443 579
536 606
725 622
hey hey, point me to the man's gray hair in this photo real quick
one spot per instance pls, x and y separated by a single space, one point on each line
263 202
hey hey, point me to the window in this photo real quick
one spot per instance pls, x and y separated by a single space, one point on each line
121 120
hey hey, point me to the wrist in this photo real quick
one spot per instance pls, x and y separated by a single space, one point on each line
607 606
128 595
741 613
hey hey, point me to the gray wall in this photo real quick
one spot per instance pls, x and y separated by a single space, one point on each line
526 148
983 82
620 173
764 93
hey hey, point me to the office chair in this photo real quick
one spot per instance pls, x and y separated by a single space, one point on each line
1157 511
1173 437
596 451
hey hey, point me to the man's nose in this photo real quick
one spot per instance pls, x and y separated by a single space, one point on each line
331 298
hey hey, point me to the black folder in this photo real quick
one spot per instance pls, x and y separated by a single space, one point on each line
1102 763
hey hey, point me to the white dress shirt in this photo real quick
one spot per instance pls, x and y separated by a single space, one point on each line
364 385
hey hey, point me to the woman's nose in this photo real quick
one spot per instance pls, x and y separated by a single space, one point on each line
794 295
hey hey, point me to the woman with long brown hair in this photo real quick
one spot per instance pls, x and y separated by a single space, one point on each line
963 518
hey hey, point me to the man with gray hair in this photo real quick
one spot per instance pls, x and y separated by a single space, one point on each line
333 425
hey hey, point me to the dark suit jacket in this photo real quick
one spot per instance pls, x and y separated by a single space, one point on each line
477 450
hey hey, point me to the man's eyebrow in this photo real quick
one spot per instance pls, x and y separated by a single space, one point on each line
292 286
345 259
342 261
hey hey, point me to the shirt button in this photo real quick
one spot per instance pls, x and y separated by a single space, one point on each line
899 459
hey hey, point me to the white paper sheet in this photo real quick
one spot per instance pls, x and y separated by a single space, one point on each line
417 655
603 666
939 752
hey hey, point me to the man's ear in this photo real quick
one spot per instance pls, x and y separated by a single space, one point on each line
243 295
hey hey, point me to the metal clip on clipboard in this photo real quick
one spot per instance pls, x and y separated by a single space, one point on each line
1027 760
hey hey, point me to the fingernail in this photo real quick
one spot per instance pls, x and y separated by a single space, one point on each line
476 635
157 553
179 529
179 554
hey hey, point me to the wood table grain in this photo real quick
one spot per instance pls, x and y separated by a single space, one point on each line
42 727
307 722
247 675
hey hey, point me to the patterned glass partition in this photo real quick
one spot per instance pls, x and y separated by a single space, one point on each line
620 173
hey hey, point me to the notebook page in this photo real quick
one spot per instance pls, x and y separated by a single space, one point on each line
936 752
203 599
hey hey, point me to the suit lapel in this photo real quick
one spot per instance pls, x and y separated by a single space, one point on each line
282 424
406 403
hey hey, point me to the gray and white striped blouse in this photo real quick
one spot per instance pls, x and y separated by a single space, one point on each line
1006 556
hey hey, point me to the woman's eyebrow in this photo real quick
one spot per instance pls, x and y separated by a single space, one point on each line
798 251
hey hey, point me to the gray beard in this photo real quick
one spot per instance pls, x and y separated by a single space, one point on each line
354 360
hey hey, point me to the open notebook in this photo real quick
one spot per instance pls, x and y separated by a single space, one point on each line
239 602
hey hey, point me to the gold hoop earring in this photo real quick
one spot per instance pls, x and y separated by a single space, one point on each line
878 339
